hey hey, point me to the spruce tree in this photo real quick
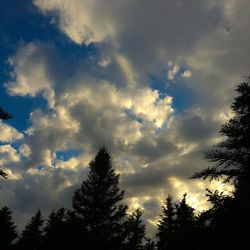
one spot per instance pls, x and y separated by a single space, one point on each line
185 226
98 204
149 245
166 226
135 231
8 231
32 236
56 231
231 157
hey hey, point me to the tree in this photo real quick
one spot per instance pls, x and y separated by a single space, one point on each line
232 155
135 231
4 116
166 226
98 204
185 225
56 231
32 235
230 217
8 231
150 245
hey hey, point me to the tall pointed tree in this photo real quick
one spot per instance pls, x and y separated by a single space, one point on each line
32 235
98 204
185 225
231 158
166 226
232 155
8 231
135 231
56 231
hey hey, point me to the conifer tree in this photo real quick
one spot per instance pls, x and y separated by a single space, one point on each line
135 231
8 231
166 226
32 236
150 245
98 204
185 225
56 231
232 155
230 217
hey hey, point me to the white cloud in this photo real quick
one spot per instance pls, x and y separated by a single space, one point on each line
8 155
173 71
187 74
154 149
9 133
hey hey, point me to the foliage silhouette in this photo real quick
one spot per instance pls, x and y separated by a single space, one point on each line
229 217
8 231
167 226
134 231
32 236
98 205
55 231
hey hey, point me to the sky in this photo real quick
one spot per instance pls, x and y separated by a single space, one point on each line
151 80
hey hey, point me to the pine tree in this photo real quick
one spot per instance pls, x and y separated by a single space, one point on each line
166 226
135 231
231 218
7 229
98 204
32 235
232 155
185 225
150 245
56 231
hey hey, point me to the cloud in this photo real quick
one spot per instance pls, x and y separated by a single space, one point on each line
107 98
9 133
8 155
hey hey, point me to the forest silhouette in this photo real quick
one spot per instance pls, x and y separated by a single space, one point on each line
99 219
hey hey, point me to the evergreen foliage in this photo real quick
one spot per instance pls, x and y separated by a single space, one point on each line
135 231
32 235
8 231
55 231
167 225
98 204
230 216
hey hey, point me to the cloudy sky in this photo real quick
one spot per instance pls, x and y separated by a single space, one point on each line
151 80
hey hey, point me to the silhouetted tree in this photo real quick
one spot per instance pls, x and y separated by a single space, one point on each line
230 217
76 232
32 236
98 204
185 225
149 245
56 235
166 226
232 155
7 229
135 231
4 116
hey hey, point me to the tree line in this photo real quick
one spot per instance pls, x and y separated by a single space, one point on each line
100 220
